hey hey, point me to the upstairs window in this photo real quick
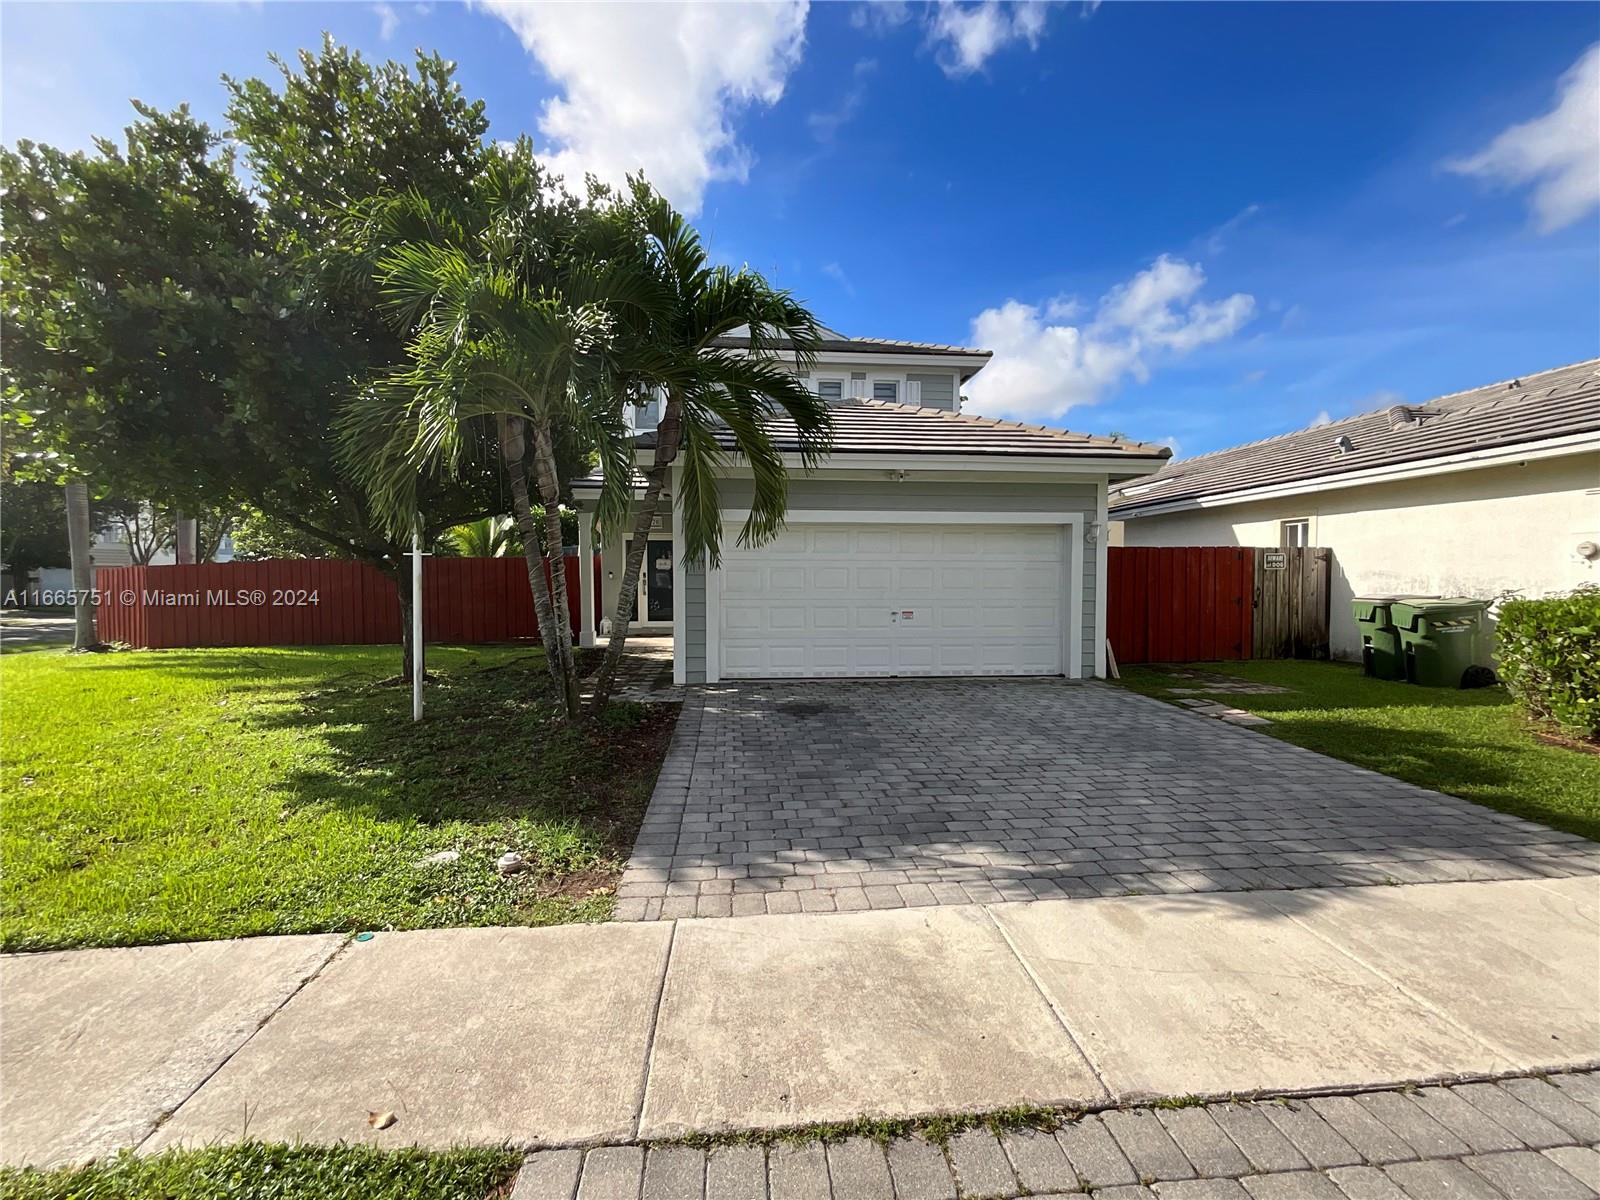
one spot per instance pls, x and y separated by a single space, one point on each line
830 389
886 389
1294 533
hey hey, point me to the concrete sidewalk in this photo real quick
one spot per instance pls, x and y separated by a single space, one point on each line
602 1034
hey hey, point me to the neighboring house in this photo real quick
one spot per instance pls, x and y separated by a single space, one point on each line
110 549
929 543
1478 493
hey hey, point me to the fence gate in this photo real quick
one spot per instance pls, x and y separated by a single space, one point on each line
1178 603
1291 603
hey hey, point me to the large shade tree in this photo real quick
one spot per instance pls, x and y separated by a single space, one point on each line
676 347
174 337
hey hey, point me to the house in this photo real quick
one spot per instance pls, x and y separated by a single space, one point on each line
930 542
1478 493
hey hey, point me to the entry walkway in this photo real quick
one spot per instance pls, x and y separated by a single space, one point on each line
576 1035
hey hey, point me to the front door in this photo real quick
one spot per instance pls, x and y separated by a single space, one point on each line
655 584
658 582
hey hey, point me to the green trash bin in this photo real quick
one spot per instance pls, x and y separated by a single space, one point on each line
1381 656
1438 638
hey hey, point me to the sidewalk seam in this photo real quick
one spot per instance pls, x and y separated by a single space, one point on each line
1055 1009
1411 995
655 1024
262 1024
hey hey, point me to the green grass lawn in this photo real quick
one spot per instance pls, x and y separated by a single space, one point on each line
173 795
260 1171
1473 744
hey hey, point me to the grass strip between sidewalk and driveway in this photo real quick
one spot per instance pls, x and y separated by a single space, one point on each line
156 796
266 1171
1474 744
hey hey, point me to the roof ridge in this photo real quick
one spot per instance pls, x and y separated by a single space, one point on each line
993 422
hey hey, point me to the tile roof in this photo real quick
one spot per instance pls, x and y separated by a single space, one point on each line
881 427
833 342
1553 403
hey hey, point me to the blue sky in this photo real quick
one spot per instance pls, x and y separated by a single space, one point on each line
1204 223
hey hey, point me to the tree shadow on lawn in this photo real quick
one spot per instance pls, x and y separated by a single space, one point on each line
490 753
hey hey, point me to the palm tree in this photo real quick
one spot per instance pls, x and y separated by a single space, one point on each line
511 303
487 537
671 347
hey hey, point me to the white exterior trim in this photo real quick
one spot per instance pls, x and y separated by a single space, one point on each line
713 623
680 601
1127 466
587 623
1102 565
1072 564
1470 460
872 516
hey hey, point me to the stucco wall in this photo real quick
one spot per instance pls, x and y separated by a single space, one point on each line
1470 533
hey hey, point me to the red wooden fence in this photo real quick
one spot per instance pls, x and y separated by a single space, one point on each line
1179 603
310 602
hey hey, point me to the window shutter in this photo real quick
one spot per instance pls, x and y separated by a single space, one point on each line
913 394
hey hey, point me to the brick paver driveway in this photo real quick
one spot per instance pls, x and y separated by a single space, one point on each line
831 796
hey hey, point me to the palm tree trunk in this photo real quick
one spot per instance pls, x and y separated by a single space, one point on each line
668 436
544 466
512 451
79 536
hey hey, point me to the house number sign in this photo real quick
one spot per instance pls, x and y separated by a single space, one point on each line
1275 560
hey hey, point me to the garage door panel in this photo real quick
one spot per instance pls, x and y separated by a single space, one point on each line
960 541
874 579
841 600
956 579
830 579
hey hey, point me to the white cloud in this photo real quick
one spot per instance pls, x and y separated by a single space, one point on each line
656 87
1216 241
388 20
1557 155
968 35
1323 417
826 123
1044 366
837 273
880 16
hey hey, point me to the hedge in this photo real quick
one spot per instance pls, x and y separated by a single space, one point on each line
1549 652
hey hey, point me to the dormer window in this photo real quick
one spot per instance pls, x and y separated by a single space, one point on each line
886 389
830 389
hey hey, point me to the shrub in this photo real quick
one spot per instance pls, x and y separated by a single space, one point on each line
1549 654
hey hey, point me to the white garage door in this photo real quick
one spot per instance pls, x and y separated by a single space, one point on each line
850 600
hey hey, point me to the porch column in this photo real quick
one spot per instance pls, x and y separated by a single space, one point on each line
586 621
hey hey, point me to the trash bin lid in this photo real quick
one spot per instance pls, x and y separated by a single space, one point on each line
1366 607
1435 603
1409 611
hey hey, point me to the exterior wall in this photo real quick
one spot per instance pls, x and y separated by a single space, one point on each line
913 496
940 388
1470 533
613 561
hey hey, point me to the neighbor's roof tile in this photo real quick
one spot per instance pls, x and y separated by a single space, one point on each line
1553 403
